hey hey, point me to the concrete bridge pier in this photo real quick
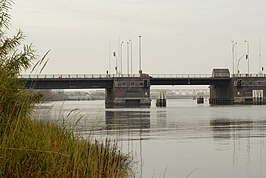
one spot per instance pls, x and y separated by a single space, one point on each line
129 92
221 94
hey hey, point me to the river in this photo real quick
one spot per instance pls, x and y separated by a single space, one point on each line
182 140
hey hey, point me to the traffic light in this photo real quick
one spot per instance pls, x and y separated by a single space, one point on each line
239 83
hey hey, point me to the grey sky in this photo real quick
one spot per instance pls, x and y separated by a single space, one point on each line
178 36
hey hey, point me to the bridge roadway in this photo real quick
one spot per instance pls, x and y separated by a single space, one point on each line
84 81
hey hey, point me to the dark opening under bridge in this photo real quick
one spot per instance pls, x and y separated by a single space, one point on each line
134 90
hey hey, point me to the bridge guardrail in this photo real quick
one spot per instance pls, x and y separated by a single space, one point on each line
203 75
248 75
84 76
43 76
181 75
81 76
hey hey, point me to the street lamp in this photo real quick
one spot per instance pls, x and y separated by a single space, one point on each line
121 55
109 57
247 55
114 53
140 55
128 58
131 57
239 61
260 68
233 55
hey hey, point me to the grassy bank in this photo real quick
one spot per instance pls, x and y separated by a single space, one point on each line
34 149
30 148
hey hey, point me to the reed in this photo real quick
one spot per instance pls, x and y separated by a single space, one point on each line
30 148
36 149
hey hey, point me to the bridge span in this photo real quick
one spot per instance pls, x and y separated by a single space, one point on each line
103 81
67 81
134 90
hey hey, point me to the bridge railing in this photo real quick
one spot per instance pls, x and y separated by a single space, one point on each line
81 76
84 76
181 75
248 75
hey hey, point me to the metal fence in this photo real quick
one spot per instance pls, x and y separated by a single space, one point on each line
248 75
84 76
180 75
81 76
219 75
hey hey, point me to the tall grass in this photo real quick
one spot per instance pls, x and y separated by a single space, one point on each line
30 148
35 149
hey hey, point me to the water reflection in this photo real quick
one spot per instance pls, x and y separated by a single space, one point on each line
224 128
132 122
242 133
161 119
118 120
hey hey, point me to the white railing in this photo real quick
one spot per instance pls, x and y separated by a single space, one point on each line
248 75
81 76
217 75
180 75
84 76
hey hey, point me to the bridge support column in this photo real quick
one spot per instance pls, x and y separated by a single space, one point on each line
129 92
221 94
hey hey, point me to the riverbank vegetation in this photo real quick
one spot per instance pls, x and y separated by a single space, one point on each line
30 148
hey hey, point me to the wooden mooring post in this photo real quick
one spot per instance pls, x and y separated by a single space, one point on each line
161 101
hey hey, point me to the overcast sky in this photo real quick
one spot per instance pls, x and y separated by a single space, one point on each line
178 36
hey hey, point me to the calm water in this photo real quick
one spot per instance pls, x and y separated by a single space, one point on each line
182 140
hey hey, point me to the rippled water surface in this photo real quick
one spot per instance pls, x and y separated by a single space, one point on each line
182 140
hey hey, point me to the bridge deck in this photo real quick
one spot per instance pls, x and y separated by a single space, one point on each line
189 81
97 81
67 83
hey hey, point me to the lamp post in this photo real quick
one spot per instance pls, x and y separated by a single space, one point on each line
131 58
121 57
128 58
239 61
109 56
114 53
233 55
247 55
140 55
260 68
